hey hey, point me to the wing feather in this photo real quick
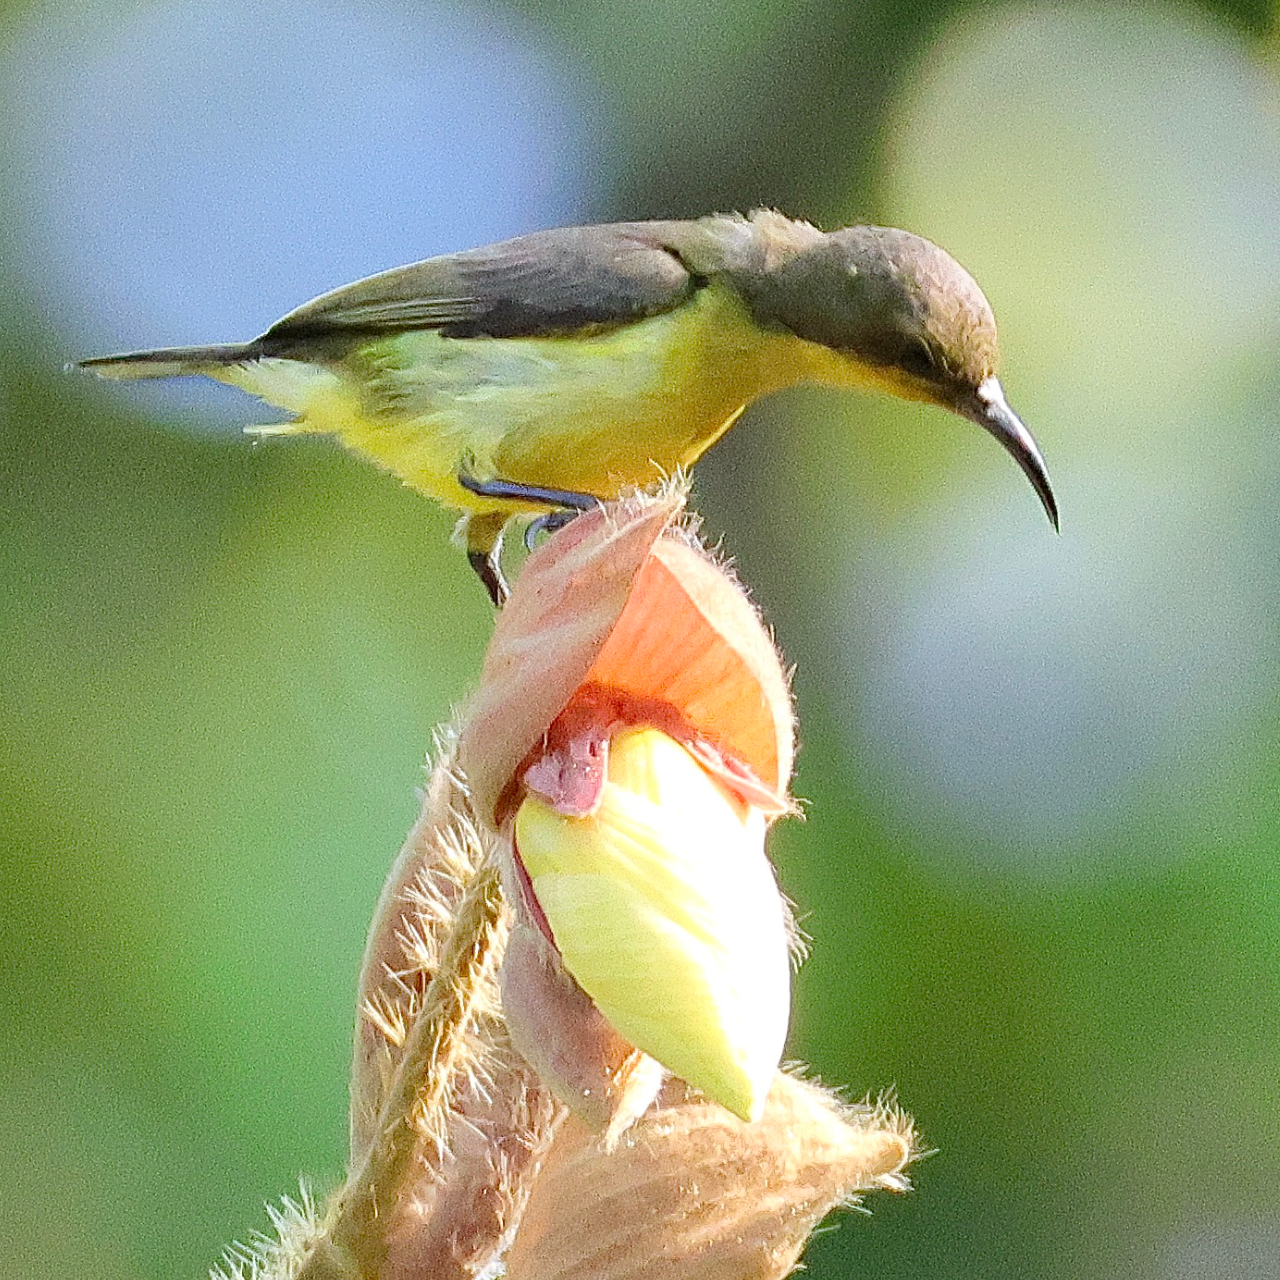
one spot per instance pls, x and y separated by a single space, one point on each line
544 283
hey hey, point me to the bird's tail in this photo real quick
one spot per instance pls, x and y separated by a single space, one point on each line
170 362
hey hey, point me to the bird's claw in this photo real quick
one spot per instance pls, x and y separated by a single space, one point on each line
547 523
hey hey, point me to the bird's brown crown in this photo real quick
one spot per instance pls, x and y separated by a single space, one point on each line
888 300
931 298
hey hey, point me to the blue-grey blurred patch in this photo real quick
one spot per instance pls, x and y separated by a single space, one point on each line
185 172
1034 690
1223 1245
1032 701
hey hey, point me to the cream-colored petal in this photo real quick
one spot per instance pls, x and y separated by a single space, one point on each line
665 910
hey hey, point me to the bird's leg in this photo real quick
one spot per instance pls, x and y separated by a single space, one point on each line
484 533
484 549
513 491
486 568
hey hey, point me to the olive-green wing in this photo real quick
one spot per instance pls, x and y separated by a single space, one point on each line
548 282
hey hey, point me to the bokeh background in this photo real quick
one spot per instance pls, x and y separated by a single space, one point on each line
1040 866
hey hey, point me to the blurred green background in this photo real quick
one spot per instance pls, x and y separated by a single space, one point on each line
1040 865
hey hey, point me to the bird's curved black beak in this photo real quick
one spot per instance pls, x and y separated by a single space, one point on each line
990 410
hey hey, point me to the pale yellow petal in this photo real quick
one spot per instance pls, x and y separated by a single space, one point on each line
665 910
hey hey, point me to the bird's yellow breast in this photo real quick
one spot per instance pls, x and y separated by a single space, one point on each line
594 413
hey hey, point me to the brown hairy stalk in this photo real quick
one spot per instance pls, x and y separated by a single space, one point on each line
446 1119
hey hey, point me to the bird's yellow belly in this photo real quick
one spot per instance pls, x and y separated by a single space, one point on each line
594 414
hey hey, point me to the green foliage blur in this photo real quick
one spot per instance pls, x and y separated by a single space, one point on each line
1039 866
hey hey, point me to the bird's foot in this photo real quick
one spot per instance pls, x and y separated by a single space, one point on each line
548 523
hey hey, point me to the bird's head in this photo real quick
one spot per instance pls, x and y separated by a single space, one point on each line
899 313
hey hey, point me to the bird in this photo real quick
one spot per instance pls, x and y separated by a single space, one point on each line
563 367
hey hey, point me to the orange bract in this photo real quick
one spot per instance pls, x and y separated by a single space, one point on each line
623 601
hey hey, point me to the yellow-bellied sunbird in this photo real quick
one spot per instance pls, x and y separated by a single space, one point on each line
568 365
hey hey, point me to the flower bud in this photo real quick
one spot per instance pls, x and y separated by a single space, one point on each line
631 740
629 745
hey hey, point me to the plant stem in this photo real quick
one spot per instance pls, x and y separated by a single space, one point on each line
419 1097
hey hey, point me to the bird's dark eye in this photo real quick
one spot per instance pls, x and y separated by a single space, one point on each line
917 359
